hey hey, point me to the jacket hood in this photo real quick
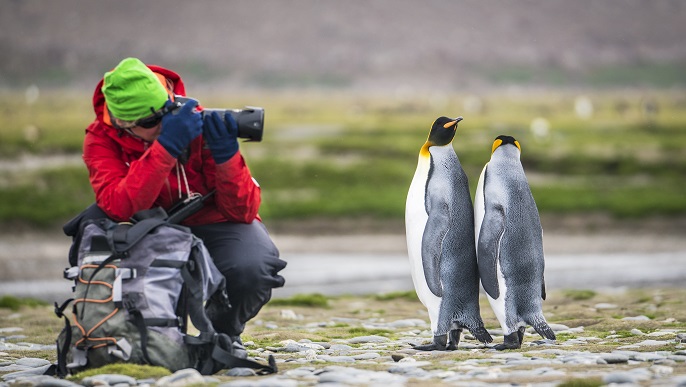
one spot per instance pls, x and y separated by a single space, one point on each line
99 104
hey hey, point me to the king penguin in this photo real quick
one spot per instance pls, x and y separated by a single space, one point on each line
439 220
510 244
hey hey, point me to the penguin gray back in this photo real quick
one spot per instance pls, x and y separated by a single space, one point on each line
508 199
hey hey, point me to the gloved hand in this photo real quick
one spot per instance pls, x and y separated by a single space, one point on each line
180 127
221 136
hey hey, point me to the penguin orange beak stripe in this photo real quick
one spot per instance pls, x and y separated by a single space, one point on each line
449 124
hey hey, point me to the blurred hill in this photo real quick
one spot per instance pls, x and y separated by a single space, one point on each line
365 45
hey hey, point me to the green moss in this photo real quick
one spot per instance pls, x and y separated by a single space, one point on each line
311 300
133 370
579 295
409 295
590 382
564 336
15 303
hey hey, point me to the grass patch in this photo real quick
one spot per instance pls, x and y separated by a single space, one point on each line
589 382
579 295
310 300
15 303
409 295
320 154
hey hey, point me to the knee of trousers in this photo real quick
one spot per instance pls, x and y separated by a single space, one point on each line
255 275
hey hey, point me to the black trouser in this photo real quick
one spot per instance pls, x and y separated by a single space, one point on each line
243 253
249 260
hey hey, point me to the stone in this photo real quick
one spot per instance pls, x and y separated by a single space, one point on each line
108 379
336 359
274 381
41 381
368 339
366 356
407 323
32 362
27 372
637 318
240 371
614 358
661 370
11 329
558 327
651 343
619 377
302 372
340 348
288 314
604 305
180 378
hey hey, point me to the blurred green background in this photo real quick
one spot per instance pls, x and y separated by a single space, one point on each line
350 92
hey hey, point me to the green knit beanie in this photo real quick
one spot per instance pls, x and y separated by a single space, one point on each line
131 89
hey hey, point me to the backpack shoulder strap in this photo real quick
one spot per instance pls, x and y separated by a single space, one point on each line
126 235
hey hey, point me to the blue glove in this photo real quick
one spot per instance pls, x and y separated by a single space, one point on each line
180 127
221 136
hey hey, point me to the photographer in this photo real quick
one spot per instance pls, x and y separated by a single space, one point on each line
143 151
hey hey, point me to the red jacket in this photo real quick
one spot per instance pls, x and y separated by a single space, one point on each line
129 174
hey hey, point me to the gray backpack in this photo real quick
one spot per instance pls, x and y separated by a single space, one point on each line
135 286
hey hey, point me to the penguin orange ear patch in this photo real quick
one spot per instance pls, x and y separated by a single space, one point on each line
518 146
496 144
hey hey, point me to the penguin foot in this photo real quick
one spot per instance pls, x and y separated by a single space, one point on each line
453 339
439 344
545 331
512 341
482 335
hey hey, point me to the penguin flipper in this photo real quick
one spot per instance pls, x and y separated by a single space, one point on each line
432 248
543 295
492 230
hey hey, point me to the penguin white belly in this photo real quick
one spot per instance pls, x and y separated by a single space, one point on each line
498 304
415 222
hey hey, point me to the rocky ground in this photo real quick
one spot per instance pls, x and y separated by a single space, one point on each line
630 337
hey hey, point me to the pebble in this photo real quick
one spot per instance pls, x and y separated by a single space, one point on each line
108 380
604 305
181 378
637 318
380 360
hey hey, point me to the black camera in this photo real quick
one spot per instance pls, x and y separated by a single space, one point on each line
250 120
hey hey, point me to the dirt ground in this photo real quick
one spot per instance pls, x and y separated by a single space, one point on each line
569 234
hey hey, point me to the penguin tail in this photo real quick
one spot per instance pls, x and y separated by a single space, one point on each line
543 329
481 334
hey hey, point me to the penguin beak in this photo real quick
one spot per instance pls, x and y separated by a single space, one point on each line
453 123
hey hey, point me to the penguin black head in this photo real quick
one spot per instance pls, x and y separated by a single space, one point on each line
443 130
502 140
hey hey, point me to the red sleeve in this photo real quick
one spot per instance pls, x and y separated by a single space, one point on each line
238 194
122 189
